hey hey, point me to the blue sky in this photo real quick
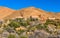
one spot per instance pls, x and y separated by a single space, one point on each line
47 5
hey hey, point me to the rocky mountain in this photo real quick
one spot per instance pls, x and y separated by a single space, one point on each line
7 13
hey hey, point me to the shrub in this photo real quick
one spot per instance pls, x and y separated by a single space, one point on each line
39 26
23 37
20 32
11 36
14 24
23 24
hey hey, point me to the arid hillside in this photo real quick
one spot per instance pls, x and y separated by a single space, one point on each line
6 13
29 22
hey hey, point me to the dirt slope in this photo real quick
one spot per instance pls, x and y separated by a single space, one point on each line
6 13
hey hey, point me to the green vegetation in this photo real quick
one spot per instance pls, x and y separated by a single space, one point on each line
23 37
11 36
20 31
31 24
39 26
14 24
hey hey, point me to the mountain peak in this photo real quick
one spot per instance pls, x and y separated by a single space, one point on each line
4 11
25 12
1 7
31 7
